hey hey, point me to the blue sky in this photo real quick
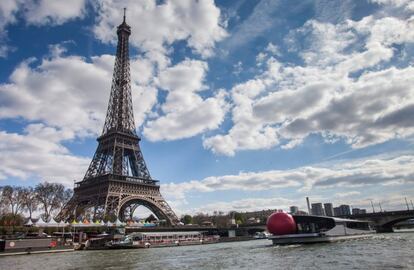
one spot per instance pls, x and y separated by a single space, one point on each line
241 105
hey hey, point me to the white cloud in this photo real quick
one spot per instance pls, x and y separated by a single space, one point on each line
186 112
155 26
248 204
406 4
64 92
326 96
51 88
247 132
349 174
35 12
67 96
346 194
37 154
261 19
8 10
333 11
69 92
53 12
273 49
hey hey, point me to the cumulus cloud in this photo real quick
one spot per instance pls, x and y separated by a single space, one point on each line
355 173
186 113
248 204
53 12
259 21
41 12
68 92
346 89
66 96
405 4
38 154
347 194
8 10
157 25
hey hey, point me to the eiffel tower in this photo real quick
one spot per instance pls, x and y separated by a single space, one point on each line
117 180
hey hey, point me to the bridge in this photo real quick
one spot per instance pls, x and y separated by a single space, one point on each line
384 221
381 221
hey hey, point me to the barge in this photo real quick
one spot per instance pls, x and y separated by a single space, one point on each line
288 230
162 239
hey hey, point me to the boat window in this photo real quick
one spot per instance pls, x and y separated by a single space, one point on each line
310 224
137 238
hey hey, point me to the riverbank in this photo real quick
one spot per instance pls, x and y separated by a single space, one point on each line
30 252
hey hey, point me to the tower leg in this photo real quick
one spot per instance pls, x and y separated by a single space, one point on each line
111 207
68 211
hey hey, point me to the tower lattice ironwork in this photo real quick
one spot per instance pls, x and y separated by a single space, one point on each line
117 180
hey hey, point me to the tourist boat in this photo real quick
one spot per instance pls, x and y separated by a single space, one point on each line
162 239
287 229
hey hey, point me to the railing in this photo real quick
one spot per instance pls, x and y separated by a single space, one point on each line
109 177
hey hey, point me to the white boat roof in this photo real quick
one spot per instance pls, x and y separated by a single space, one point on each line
336 219
348 220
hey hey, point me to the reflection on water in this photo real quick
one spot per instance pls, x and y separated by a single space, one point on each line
382 251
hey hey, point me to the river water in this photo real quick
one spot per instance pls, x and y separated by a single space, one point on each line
382 251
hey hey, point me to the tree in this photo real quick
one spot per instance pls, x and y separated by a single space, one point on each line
3 206
12 199
187 219
51 197
221 221
30 200
67 195
11 220
199 218
240 218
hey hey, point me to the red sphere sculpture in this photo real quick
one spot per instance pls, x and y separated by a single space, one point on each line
280 223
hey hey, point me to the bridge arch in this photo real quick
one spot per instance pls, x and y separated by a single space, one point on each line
148 202
390 224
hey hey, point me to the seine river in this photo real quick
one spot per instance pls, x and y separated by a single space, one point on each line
382 251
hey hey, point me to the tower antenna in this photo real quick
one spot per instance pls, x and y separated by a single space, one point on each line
124 13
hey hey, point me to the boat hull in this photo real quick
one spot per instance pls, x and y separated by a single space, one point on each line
159 244
313 238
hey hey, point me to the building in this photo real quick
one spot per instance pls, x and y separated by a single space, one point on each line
358 211
308 204
345 209
342 210
328 209
294 210
317 209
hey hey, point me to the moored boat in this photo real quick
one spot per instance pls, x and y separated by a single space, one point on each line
287 229
162 239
